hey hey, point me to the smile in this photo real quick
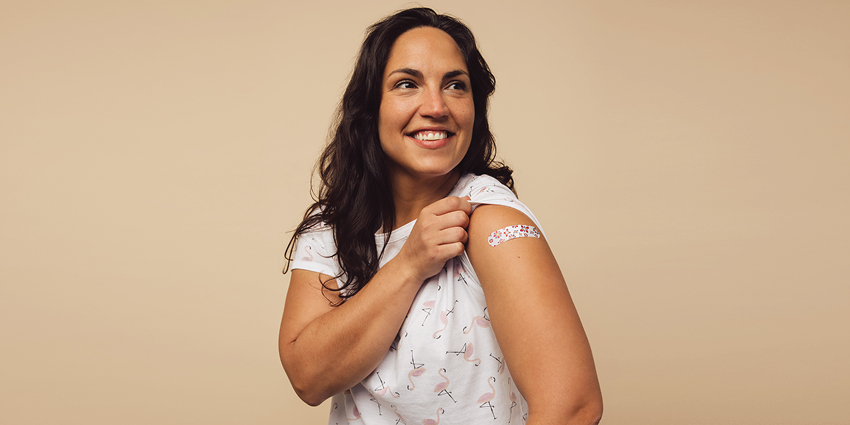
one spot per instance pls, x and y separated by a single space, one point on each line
429 135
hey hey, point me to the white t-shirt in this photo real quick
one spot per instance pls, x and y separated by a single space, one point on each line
445 364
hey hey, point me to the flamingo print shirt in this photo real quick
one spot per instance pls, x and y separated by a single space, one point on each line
445 364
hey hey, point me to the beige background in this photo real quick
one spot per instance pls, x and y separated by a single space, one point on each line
689 161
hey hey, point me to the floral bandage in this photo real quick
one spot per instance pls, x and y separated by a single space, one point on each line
512 232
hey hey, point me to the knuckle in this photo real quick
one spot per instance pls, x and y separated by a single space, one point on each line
462 217
459 233
453 202
458 249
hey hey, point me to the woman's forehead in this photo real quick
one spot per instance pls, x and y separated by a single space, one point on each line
425 47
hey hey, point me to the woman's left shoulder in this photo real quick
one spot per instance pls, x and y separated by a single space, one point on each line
480 188
502 205
496 219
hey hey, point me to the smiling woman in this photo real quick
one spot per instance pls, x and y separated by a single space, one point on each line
427 111
397 300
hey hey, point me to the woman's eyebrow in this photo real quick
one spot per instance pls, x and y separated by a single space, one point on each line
410 71
455 73
418 74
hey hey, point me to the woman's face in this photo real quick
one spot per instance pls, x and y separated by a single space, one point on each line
427 111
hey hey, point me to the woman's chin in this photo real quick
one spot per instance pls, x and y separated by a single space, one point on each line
429 171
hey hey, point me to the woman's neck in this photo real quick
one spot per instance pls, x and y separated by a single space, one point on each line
411 194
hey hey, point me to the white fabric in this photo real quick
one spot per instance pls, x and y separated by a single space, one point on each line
445 364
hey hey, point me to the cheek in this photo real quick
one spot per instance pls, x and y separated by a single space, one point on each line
466 113
388 125
391 116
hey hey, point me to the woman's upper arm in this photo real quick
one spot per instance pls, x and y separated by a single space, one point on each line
534 319
306 301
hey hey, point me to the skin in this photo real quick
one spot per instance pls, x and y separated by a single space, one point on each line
425 86
312 331
535 321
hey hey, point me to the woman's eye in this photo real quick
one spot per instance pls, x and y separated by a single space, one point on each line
456 85
405 84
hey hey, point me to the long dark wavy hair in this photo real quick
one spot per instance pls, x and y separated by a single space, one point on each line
355 197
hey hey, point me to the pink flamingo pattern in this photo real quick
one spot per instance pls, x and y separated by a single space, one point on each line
309 256
427 306
375 400
512 397
442 387
384 389
467 351
445 269
400 418
486 398
387 390
467 355
481 321
433 422
444 318
414 373
356 415
437 376
501 363
485 189
459 272
418 370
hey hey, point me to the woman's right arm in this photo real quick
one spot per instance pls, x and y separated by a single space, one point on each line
326 350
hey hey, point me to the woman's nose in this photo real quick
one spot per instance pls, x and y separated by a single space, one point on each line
433 104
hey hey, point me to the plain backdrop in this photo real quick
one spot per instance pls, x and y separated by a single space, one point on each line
690 162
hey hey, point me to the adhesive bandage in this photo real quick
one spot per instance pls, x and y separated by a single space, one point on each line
512 232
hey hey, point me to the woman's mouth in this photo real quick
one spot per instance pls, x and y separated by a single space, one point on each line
431 139
430 135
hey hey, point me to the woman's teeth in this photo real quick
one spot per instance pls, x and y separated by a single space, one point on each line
431 135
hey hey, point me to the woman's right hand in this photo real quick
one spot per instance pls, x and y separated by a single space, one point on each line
326 350
438 235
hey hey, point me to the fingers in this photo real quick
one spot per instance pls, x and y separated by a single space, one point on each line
451 235
465 206
455 219
439 234
449 204
447 212
452 250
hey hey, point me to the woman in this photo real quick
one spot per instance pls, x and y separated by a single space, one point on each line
404 305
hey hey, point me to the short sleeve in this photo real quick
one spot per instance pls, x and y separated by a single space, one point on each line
315 251
485 190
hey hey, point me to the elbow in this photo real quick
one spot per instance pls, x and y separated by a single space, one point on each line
312 398
587 410
306 389
303 382
589 414
584 411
